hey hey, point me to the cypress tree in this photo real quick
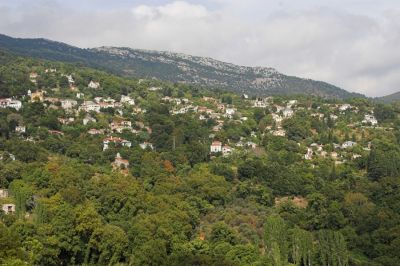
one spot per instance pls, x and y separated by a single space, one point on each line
276 237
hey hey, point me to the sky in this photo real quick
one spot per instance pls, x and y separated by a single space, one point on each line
353 44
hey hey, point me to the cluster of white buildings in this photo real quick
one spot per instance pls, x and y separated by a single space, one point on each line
318 150
177 101
184 110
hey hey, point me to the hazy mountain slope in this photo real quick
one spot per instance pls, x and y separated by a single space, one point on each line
176 68
390 98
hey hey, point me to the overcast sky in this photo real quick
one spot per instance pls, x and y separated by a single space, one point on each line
354 44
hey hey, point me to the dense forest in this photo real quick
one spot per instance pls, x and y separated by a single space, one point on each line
97 169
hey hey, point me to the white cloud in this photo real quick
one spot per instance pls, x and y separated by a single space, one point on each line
357 51
178 10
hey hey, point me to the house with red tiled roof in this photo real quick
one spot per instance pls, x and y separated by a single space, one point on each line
115 140
216 146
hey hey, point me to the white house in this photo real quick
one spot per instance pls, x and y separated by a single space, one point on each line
226 150
88 106
33 76
336 146
66 121
145 145
202 117
370 119
115 140
309 154
68 103
230 111
50 70
260 103
88 119
334 117
279 108
106 105
287 112
15 104
216 146
345 107
251 144
98 99
277 118
8 208
154 88
10 103
70 79
109 100
120 126
120 162
240 143
167 99
128 100
3 193
279 133
348 144
94 84
318 115
183 110
177 101
94 131
217 128
20 129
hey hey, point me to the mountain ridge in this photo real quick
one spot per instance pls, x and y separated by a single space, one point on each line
176 68
393 97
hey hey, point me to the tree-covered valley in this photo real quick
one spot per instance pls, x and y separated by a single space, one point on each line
97 169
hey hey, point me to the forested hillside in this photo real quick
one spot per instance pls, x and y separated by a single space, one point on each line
389 98
96 169
173 67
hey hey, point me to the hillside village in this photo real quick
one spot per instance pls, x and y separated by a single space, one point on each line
206 166
204 109
127 119
207 109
